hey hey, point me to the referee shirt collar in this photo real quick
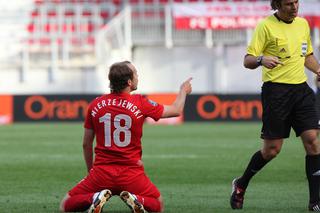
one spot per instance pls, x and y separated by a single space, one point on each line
279 19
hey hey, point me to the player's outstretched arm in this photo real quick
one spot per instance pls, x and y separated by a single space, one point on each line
87 147
176 108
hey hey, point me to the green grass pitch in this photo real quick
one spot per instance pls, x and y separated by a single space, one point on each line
192 165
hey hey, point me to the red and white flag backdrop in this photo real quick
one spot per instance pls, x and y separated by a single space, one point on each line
233 15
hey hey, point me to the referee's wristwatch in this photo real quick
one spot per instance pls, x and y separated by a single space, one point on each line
259 60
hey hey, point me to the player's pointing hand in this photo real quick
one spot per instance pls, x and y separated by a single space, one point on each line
186 86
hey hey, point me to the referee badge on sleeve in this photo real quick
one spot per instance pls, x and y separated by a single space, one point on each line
304 49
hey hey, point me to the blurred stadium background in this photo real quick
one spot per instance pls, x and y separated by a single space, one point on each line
54 47
54 57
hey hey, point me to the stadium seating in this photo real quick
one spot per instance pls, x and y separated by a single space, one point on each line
76 21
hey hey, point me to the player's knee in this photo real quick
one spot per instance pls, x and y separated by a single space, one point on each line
61 207
312 146
271 148
62 203
311 142
161 204
273 154
269 154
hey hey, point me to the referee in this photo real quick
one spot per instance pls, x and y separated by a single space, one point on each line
281 44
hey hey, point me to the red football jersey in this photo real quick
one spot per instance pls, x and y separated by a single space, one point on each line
117 121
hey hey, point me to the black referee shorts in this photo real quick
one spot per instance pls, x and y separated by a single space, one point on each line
286 106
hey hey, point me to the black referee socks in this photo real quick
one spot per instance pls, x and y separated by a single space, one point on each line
313 175
256 163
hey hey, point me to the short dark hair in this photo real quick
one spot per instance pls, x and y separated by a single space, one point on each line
275 4
119 74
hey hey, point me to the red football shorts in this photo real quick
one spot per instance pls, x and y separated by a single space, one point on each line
117 178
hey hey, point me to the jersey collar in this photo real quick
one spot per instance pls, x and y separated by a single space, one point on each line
279 19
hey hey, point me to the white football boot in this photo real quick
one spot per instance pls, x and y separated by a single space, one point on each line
100 201
131 201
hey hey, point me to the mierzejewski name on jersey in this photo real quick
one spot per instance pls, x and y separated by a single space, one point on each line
123 103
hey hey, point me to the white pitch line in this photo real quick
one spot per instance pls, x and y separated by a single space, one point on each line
168 156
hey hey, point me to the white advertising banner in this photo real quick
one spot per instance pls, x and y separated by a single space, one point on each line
233 15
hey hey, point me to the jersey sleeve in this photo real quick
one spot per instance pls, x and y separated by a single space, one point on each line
309 43
88 123
258 41
151 108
